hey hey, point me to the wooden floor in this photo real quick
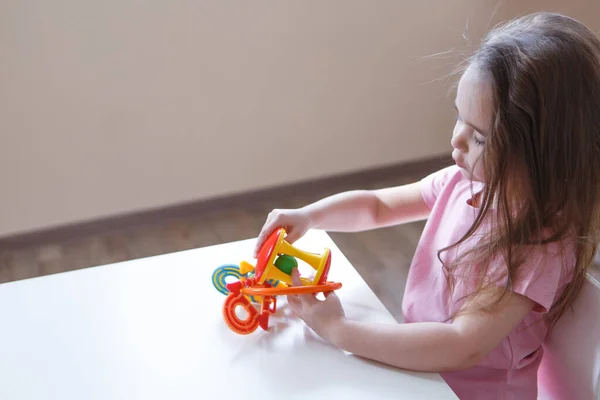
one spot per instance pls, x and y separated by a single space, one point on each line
382 256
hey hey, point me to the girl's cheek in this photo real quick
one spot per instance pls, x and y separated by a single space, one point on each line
479 173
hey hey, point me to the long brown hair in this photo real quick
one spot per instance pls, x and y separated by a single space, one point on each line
542 156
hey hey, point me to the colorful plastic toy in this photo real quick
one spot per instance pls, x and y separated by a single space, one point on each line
271 277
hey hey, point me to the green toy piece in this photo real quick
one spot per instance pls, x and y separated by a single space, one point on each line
286 263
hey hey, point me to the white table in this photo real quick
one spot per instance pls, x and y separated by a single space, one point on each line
153 329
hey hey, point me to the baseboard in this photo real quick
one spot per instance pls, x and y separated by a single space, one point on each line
111 224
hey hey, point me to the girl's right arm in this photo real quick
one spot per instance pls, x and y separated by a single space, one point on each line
361 210
352 211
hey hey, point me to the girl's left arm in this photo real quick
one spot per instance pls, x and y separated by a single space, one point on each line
422 346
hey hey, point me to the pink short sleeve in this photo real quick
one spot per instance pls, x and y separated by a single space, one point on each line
543 274
432 185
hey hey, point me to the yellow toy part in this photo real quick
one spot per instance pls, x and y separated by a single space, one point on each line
246 267
275 246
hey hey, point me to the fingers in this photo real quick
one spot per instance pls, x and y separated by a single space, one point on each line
331 294
294 223
293 235
296 277
304 298
275 219
265 231
295 303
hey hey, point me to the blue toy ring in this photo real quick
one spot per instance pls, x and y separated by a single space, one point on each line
222 273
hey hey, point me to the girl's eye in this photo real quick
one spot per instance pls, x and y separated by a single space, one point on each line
478 142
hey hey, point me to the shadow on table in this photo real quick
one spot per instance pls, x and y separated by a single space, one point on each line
298 357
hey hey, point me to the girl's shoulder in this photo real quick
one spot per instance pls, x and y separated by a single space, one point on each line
446 176
448 182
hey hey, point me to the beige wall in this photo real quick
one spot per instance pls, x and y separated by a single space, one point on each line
110 107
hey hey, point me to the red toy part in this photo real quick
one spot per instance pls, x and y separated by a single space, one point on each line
265 253
323 278
234 287
269 306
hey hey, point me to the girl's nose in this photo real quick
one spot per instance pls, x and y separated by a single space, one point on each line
459 139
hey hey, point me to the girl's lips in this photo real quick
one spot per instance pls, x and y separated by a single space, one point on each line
459 163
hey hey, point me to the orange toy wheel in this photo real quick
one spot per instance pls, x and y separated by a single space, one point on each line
241 326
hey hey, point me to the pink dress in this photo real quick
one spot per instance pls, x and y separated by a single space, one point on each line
510 370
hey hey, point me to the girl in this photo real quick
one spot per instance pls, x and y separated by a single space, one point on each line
511 228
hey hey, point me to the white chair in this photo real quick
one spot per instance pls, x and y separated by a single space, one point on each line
570 368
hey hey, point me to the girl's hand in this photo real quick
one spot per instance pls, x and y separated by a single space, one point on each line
296 223
321 316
